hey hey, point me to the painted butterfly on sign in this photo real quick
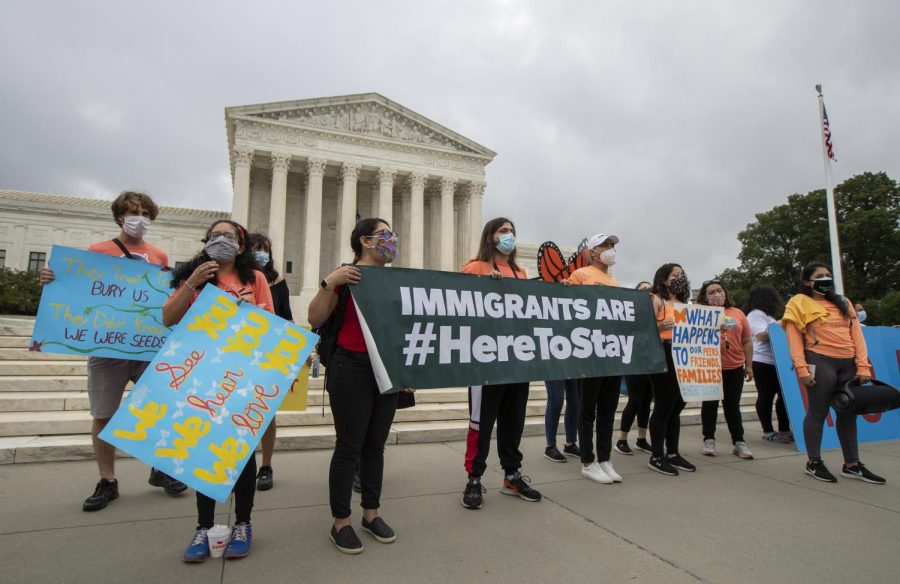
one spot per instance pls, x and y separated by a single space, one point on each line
553 267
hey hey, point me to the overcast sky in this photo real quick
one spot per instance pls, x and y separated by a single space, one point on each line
667 123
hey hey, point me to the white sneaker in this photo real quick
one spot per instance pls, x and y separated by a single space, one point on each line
709 447
596 474
607 467
741 450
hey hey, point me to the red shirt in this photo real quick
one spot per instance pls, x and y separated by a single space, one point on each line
350 337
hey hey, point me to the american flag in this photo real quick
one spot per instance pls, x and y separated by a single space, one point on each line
829 147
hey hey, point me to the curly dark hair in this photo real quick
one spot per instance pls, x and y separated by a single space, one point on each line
129 199
260 240
364 228
701 295
486 243
766 299
659 283
243 263
831 296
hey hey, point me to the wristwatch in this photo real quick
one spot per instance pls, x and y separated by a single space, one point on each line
324 286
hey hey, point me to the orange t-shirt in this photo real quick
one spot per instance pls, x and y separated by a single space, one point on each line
145 251
257 292
592 275
837 337
733 356
666 312
480 268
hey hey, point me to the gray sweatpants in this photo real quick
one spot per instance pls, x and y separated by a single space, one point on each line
831 374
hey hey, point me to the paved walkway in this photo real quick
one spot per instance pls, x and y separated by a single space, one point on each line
731 522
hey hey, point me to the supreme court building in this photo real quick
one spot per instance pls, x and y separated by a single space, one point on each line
305 171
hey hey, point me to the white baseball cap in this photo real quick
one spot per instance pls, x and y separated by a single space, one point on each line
600 238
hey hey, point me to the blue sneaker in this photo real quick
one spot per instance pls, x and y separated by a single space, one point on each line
198 551
239 546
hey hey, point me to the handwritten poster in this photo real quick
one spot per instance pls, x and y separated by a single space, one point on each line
102 306
295 400
695 351
200 408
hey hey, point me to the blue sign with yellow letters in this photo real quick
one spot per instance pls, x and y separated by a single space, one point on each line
200 408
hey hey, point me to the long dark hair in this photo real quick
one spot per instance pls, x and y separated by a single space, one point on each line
364 228
659 283
831 296
766 299
702 299
258 239
486 243
243 263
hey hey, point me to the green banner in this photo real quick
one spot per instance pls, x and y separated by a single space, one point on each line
427 329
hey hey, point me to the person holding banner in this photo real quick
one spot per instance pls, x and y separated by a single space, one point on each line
736 352
362 414
599 395
828 350
506 404
670 285
226 262
107 377
281 299
640 398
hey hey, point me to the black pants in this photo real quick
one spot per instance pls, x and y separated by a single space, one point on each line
831 374
767 388
506 404
732 388
362 422
640 395
244 492
665 421
599 399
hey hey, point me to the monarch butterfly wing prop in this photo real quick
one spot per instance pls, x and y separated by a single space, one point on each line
551 263
579 259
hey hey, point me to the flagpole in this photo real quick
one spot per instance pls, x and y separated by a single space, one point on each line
829 197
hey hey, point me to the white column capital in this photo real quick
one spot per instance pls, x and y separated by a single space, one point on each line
448 183
316 167
476 189
242 156
350 170
418 180
281 161
386 175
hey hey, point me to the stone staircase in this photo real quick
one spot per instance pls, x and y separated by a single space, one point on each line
44 410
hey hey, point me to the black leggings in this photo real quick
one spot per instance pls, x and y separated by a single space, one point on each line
732 388
244 492
599 399
767 388
639 397
665 421
831 374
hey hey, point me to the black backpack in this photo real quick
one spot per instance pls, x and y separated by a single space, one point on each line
328 332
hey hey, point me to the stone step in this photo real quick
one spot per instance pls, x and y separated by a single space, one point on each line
18 354
56 367
16 330
31 383
15 342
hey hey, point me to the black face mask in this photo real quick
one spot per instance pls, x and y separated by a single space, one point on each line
823 285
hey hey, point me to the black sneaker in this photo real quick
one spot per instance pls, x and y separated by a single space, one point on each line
160 479
623 448
861 473
105 492
816 469
472 496
264 479
518 486
681 464
379 530
346 540
572 450
642 444
661 465
357 484
553 453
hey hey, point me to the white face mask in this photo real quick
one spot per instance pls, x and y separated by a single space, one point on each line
607 256
135 226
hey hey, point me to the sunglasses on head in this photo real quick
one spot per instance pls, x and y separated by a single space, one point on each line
708 282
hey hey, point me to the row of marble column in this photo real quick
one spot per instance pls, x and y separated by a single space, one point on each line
450 238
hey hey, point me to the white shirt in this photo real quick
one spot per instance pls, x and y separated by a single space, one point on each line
762 350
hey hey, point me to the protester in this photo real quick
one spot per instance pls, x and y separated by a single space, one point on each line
736 348
504 403
261 247
599 395
107 378
559 391
226 262
828 350
362 414
640 397
860 313
669 285
764 306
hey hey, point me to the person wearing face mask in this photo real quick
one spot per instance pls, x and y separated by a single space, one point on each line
261 247
107 378
670 285
226 262
860 313
362 414
736 353
503 403
828 350
640 397
599 396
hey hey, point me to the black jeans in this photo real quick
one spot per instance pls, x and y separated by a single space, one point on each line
505 404
244 492
599 399
665 421
831 374
362 422
640 395
732 388
767 388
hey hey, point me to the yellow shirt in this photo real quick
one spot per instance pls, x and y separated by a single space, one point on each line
591 275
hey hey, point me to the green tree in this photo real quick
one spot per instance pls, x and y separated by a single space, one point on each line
20 292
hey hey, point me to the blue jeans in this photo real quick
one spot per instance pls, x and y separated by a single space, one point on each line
556 392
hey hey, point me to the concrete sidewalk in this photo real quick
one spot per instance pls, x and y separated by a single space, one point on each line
732 521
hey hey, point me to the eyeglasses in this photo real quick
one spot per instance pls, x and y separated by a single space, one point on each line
385 235
225 234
